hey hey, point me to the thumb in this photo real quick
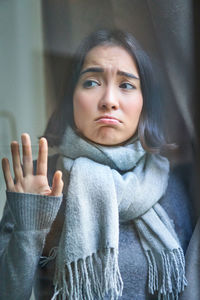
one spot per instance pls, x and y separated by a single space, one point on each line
57 185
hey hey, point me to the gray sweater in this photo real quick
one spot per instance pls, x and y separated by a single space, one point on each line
32 224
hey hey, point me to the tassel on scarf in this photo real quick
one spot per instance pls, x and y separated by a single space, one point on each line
170 280
45 259
95 276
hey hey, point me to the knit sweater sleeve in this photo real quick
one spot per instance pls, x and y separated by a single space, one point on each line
26 221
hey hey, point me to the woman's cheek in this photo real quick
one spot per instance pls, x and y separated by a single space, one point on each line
134 108
83 110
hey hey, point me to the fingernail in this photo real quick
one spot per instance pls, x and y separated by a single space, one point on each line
25 138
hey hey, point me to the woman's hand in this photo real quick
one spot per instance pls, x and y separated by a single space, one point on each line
25 181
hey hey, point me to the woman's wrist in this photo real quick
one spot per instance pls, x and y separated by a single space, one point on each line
33 211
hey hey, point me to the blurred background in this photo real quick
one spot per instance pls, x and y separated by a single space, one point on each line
38 39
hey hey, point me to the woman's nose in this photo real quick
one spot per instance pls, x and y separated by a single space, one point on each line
109 99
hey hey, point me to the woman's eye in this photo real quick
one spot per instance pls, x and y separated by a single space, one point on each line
90 83
127 86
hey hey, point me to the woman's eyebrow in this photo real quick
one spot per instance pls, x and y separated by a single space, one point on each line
122 73
92 70
101 70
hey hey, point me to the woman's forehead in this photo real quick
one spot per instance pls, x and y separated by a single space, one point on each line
110 57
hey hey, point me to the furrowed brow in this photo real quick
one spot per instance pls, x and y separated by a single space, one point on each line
101 70
122 73
92 70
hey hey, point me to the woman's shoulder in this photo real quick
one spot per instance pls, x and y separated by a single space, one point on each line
178 201
179 189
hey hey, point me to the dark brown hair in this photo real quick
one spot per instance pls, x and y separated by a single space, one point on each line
150 129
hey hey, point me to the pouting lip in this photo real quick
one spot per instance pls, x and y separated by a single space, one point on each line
108 117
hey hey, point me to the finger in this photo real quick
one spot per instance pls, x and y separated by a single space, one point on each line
7 174
57 185
27 154
42 157
16 161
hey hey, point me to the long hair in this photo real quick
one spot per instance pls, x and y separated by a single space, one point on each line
150 129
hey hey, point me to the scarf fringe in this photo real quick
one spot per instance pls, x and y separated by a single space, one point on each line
170 280
97 275
44 260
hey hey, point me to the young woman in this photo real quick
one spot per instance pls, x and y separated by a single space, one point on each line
114 229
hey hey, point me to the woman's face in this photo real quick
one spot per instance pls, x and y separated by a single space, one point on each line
107 99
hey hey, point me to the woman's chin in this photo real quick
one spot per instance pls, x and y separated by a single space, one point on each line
105 136
107 141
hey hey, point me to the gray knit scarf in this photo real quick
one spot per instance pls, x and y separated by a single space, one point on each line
105 185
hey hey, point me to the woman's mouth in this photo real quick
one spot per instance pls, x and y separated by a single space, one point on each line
108 120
